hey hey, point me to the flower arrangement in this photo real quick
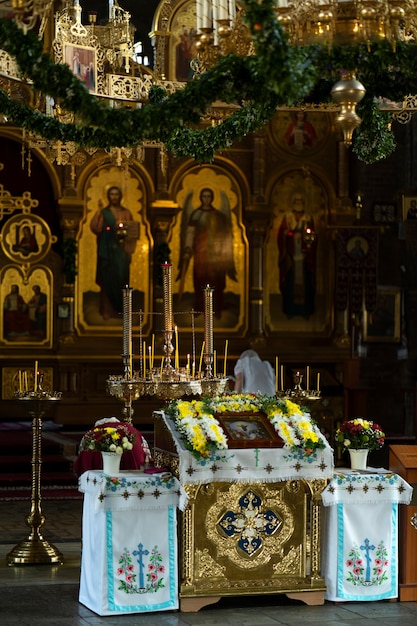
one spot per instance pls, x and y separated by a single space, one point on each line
202 433
359 434
117 438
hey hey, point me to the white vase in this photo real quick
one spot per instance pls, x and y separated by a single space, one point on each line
111 462
358 459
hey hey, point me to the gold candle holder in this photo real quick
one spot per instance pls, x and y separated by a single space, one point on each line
208 329
35 549
167 294
127 331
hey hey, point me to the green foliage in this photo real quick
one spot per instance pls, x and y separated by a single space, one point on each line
278 74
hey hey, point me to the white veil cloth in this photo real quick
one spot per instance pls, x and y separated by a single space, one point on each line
257 376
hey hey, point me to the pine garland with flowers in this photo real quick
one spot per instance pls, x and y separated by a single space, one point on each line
277 74
103 438
359 434
202 433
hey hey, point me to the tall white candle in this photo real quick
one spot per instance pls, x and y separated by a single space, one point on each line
276 373
35 378
308 377
208 319
223 9
207 14
199 15
318 381
225 357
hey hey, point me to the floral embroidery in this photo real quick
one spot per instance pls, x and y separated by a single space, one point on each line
365 569
130 583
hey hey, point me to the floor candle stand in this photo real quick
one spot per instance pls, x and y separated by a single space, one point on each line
35 549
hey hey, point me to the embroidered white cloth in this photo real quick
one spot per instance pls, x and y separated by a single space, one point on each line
249 464
360 535
129 561
131 489
372 485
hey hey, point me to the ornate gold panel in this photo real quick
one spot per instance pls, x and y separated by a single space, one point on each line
242 537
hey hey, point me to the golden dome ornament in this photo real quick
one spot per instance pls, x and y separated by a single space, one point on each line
348 92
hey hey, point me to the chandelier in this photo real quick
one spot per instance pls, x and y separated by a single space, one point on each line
348 21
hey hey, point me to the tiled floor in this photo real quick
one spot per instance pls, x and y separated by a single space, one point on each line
48 594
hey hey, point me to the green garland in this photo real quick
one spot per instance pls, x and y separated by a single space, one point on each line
278 74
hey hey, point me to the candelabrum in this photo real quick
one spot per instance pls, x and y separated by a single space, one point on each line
169 381
35 549
297 392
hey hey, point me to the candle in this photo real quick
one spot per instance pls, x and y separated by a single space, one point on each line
199 14
144 359
318 381
187 369
35 380
308 377
215 363
150 358
25 381
223 10
282 378
208 319
177 353
167 291
20 381
276 373
225 357
131 361
153 348
127 329
201 357
162 365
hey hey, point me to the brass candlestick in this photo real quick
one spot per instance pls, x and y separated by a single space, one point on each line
208 329
35 549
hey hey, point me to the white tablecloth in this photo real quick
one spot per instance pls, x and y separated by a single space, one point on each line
249 464
129 558
360 534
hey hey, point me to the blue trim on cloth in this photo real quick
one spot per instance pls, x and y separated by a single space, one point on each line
393 591
143 608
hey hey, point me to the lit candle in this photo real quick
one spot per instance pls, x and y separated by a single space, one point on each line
150 358
308 377
276 373
144 359
153 348
225 357
201 357
35 380
282 378
318 381
187 369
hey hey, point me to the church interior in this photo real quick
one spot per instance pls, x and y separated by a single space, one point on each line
181 182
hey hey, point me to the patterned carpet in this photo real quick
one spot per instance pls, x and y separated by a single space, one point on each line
62 520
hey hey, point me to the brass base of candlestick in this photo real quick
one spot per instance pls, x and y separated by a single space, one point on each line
298 395
34 551
129 390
